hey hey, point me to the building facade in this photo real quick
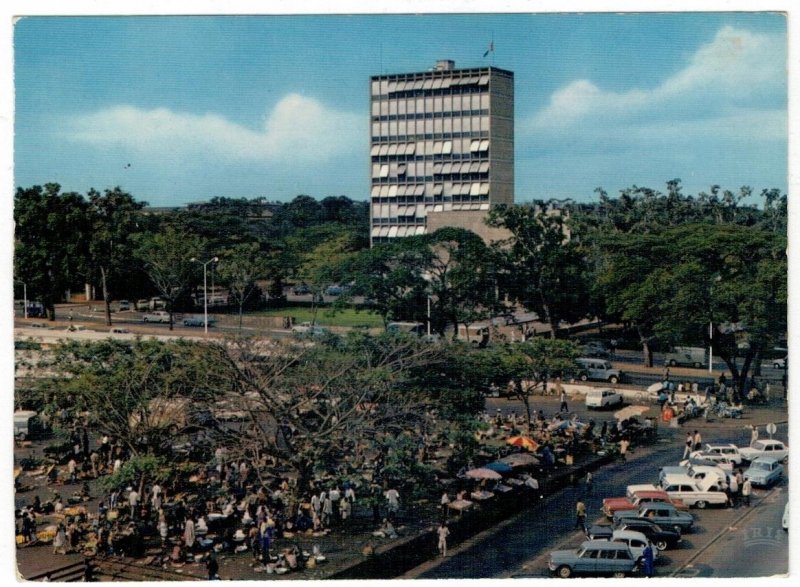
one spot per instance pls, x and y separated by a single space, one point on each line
441 141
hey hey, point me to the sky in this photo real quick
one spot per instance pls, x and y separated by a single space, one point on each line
177 108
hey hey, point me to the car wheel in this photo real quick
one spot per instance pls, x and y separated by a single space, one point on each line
144 319
677 529
672 363
698 366
661 545
584 377
619 575
613 379
564 572
701 505
776 366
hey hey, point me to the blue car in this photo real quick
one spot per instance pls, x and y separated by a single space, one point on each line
764 471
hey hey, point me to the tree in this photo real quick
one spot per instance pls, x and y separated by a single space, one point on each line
525 368
544 270
240 267
167 257
672 285
113 219
392 276
141 393
462 280
326 406
51 237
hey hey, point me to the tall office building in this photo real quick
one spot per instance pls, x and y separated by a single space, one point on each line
442 141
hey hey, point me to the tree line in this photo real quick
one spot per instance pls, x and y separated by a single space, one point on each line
709 269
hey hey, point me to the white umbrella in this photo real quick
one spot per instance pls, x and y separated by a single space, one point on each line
630 412
483 473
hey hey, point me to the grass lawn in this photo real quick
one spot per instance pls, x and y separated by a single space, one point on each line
326 317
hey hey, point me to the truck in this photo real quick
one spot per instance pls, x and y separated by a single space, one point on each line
686 356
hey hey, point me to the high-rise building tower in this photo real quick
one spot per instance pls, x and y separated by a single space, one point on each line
442 141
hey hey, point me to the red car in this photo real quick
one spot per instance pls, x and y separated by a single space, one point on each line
612 505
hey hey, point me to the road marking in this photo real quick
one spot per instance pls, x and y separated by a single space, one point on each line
680 570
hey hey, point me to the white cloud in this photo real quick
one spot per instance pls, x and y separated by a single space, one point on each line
737 68
297 128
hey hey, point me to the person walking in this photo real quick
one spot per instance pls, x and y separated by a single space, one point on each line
733 489
393 502
747 490
212 566
443 533
689 443
753 435
580 515
623 448
648 560
60 540
589 480
698 440
563 399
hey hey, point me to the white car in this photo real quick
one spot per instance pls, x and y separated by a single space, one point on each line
636 541
602 398
159 316
709 460
728 450
694 493
308 329
765 448
695 472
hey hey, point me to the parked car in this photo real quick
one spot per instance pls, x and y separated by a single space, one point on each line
663 514
695 472
636 541
765 448
764 471
611 505
661 538
119 330
729 450
780 363
602 398
124 305
309 329
337 290
702 459
197 321
598 369
699 494
159 316
593 557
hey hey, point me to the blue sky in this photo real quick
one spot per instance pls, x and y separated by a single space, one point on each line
277 106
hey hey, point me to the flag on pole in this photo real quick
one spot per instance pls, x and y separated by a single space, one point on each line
490 49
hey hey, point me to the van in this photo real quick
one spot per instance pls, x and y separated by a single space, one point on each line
26 424
687 356
598 369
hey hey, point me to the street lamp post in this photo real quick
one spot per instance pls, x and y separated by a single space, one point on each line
205 289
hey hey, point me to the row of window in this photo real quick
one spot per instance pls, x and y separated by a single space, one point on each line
429 136
431 126
407 172
468 145
386 86
474 188
431 104
422 115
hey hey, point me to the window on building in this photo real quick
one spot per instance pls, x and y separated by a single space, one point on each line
384 171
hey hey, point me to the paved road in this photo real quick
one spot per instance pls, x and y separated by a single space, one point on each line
519 546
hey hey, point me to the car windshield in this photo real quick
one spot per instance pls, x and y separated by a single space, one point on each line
762 466
759 445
